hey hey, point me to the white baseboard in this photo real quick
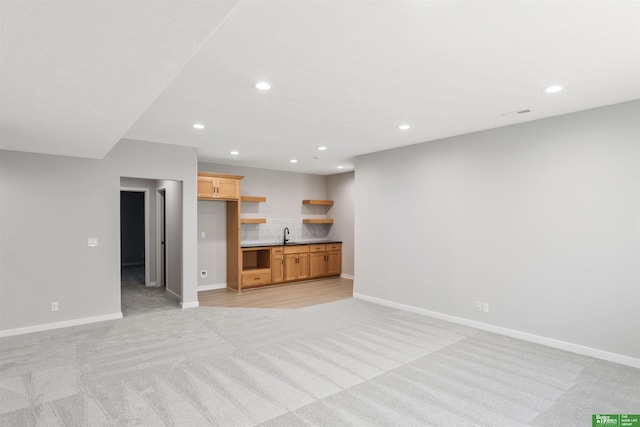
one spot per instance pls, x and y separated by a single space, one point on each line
189 304
347 276
152 284
202 288
550 342
58 325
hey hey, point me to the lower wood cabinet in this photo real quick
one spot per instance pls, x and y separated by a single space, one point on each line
279 264
325 260
296 262
256 278
289 263
296 267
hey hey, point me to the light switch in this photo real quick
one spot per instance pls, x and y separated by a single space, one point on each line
202 235
93 241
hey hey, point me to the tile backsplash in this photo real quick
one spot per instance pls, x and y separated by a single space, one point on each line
272 231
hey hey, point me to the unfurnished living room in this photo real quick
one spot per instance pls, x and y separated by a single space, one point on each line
319 213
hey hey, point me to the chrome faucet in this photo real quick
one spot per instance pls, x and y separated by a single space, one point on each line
285 233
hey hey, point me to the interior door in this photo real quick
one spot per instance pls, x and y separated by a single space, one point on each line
162 228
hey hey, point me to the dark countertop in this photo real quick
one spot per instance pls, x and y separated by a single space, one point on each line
267 245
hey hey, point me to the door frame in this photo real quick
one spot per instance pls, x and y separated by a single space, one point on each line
161 227
147 273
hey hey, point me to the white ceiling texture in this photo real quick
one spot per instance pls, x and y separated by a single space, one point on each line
77 76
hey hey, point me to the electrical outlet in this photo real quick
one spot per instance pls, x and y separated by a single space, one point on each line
54 306
485 307
203 273
478 306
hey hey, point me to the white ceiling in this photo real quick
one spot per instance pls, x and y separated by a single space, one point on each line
79 76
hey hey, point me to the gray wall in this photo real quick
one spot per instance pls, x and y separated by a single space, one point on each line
540 220
52 204
341 189
212 249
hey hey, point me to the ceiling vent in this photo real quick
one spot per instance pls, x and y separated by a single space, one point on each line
516 113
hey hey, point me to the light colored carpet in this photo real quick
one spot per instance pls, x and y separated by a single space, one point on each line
348 362
136 298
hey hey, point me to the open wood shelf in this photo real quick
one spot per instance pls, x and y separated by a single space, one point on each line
318 221
256 199
253 220
318 202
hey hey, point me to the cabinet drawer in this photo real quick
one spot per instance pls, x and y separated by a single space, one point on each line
256 278
334 246
298 249
316 248
277 251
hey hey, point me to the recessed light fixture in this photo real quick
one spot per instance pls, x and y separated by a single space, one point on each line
552 89
404 127
293 161
235 153
340 167
322 148
198 126
263 85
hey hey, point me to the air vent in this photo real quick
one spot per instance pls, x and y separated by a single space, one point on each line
516 113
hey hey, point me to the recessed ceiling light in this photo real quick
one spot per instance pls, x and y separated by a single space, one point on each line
293 161
552 89
340 167
322 148
263 86
235 153
404 127
198 126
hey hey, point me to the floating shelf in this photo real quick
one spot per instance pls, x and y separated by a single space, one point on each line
253 220
318 221
256 199
318 202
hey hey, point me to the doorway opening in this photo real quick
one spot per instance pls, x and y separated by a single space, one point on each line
143 250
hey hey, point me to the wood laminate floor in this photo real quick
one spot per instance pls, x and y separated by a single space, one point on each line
291 295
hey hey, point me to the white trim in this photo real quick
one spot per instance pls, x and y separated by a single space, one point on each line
347 276
550 342
190 304
202 288
147 228
152 284
159 260
58 325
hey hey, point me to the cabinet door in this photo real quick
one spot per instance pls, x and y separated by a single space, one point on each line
206 187
334 263
277 268
228 188
317 264
303 266
290 267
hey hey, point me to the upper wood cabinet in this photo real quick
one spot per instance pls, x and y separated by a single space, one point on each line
213 186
